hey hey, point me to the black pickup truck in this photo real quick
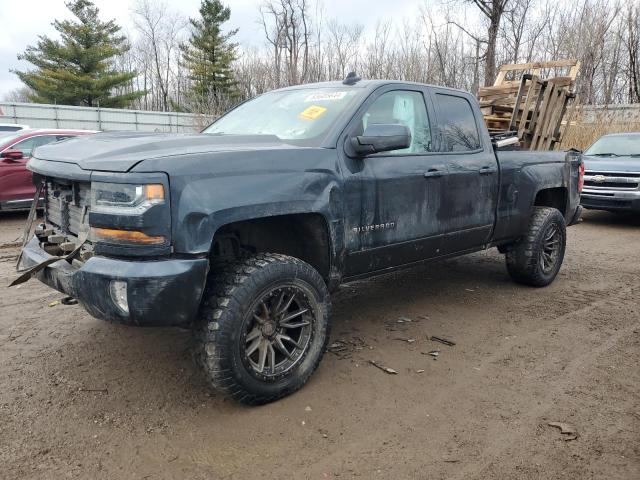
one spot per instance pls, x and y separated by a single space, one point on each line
240 232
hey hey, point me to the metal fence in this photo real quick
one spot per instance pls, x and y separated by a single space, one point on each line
619 113
590 122
61 116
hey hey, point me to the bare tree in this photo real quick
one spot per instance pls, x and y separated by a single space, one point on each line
377 55
342 48
18 95
287 28
518 29
493 10
633 51
586 32
160 35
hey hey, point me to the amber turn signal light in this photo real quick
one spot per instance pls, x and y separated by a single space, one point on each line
112 235
155 191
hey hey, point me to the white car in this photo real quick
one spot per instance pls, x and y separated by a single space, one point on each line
12 127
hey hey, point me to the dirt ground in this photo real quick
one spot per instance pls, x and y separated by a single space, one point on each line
80 398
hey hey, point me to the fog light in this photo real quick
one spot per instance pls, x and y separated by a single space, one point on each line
118 290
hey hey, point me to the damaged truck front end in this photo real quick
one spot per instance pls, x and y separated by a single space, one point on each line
112 236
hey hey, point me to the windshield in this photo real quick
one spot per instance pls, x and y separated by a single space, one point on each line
615 146
297 116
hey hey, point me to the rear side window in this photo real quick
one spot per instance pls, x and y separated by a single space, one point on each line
457 124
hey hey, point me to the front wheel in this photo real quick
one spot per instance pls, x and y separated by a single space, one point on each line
263 327
537 258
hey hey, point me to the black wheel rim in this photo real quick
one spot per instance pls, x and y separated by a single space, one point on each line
278 331
550 251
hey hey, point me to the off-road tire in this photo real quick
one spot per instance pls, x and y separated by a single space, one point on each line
523 260
231 291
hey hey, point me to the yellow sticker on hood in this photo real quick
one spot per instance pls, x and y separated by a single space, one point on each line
312 112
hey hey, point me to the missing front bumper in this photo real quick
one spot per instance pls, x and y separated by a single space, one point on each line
160 292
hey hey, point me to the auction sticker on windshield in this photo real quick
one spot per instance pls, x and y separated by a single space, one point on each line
312 112
325 96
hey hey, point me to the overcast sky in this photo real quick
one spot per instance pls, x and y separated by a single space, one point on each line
23 20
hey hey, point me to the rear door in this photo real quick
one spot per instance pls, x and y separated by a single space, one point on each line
16 186
394 200
473 172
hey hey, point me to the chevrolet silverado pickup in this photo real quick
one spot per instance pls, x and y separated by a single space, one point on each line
612 173
240 232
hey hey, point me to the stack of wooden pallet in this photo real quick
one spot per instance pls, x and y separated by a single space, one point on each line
522 100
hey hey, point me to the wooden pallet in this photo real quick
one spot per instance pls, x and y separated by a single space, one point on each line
529 105
536 68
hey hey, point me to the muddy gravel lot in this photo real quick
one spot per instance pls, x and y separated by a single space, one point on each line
80 398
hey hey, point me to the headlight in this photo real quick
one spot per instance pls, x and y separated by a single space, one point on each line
124 198
119 216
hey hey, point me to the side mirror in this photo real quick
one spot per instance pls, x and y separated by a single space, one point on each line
12 155
381 137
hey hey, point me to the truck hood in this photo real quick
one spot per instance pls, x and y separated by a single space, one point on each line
612 164
121 151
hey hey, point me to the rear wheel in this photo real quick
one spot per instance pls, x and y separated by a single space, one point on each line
263 327
537 258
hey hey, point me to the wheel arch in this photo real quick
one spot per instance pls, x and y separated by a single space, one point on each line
554 197
306 236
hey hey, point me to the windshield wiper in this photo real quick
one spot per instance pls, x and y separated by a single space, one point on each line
635 155
605 155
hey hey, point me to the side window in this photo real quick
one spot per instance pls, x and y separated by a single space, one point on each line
27 145
404 107
457 124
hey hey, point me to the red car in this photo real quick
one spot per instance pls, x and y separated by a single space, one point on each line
16 188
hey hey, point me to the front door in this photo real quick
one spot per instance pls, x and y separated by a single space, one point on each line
394 201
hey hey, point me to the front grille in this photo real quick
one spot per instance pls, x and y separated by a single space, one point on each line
606 184
622 181
67 205
614 174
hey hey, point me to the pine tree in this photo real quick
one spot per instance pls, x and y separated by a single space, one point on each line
78 69
208 55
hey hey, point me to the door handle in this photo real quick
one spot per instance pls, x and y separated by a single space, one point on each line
487 170
433 172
